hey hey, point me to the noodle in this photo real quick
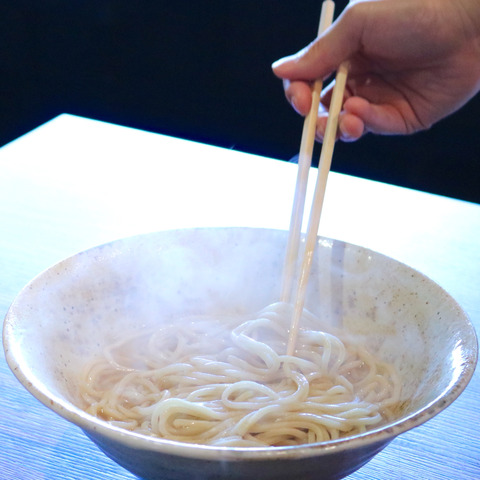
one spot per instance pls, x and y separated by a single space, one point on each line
227 381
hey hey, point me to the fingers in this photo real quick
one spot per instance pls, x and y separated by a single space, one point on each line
384 118
359 117
318 60
324 55
350 127
299 95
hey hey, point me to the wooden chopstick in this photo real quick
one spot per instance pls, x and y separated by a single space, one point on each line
317 204
304 163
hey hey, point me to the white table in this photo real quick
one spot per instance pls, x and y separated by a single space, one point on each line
74 183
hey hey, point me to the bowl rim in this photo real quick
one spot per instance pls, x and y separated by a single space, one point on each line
93 426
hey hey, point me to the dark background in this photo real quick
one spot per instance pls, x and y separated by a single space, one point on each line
201 70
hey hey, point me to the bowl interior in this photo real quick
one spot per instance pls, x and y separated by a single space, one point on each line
68 313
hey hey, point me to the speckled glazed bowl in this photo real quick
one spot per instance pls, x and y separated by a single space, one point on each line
68 312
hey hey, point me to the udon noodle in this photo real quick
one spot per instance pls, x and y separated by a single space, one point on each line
226 381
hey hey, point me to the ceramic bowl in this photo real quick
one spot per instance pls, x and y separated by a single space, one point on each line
66 314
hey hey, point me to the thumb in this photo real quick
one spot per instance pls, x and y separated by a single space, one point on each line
323 56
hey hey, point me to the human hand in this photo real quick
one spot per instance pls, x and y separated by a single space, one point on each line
412 62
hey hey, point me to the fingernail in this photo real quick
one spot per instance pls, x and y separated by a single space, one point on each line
294 105
347 138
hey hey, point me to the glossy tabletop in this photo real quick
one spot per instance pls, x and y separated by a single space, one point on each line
74 183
